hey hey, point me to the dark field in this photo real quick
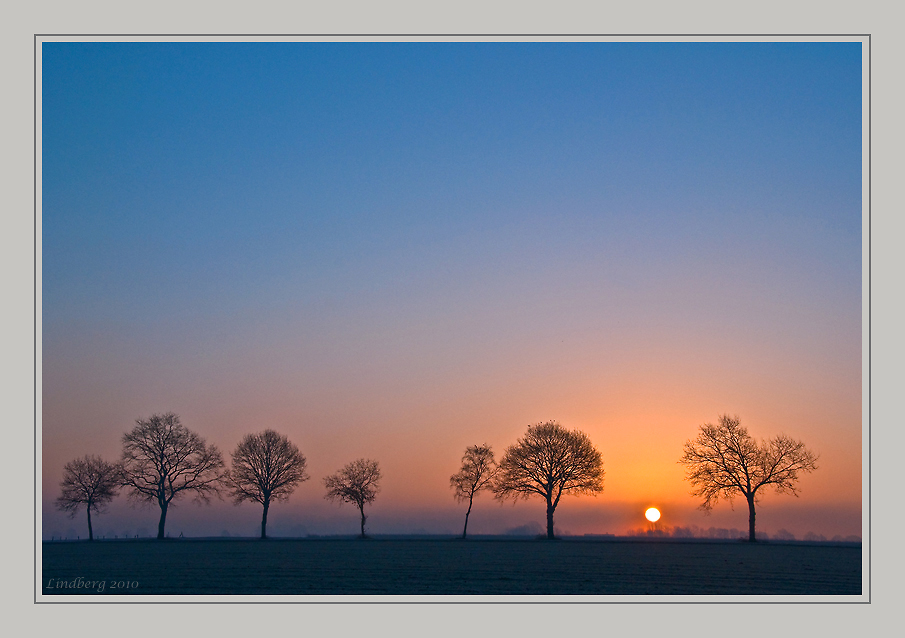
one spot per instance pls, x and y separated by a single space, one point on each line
416 566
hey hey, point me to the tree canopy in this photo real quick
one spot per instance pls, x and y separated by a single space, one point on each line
477 473
358 483
91 482
550 461
162 460
266 467
724 461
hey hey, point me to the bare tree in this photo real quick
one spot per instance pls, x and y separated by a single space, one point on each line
266 467
550 461
477 473
724 461
357 482
162 460
88 481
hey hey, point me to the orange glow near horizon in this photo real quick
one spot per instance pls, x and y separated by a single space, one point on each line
639 425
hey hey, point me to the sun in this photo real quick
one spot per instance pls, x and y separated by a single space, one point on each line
652 514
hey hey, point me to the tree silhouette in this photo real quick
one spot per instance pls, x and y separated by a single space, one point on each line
162 460
357 482
724 460
266 467
477 473
550 461
88 481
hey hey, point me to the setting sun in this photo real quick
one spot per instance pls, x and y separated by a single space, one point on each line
652 514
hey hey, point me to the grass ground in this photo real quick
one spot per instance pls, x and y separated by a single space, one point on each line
413 566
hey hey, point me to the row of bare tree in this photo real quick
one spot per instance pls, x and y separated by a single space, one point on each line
163 460
550 461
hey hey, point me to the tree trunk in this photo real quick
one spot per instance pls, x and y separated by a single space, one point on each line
90 532
550 509
163 520
751 536
264 519
361 507
465 529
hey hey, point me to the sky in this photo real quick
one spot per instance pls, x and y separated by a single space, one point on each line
398 250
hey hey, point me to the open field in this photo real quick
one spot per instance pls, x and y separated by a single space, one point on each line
490 566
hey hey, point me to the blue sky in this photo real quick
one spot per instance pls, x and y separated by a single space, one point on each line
217 160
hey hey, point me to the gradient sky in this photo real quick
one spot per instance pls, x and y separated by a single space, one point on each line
398 250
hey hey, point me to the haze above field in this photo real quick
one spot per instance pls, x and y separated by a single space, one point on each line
395 251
